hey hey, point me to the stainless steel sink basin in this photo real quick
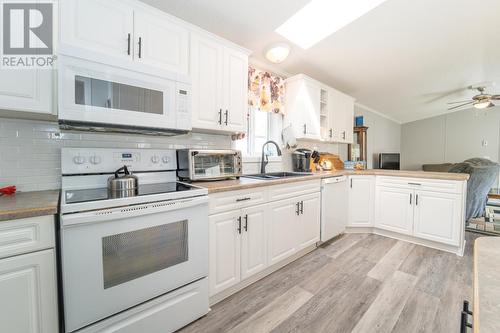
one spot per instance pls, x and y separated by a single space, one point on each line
277 175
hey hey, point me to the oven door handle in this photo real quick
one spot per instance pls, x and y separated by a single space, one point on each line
104 215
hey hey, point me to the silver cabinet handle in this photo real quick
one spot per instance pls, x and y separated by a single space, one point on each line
302 207
331 133
239 225
246 222
227 114
351 182
416 200
297 211
343 135
411 195
418 184
243 199
305 128
220 117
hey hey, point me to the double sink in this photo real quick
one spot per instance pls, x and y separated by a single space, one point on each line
277 175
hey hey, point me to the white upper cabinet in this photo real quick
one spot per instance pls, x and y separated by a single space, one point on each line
123 33
341 116
361 201
318 112
102 26
160 42
27 91
303 96
219 73
394 209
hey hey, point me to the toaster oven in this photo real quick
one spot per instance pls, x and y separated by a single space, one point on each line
208 164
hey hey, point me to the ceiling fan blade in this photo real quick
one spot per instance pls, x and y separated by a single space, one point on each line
495 97
459 106
459 102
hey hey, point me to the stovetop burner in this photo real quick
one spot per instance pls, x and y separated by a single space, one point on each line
99 194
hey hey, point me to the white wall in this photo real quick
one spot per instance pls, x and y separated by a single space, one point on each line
451 138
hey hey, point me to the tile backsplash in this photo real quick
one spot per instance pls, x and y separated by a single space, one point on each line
30 151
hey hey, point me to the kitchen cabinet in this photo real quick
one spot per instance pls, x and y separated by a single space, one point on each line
123 33
282 223
341 115
28 289
302 99
394 209
309 220
25 92
437 216
318 112
224 249
28 282
219 74
361 201
253 240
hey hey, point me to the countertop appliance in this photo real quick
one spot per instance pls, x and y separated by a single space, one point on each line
301 160
196 164
132 261
100 97
333 207
389 161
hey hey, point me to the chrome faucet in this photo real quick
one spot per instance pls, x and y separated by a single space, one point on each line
265 161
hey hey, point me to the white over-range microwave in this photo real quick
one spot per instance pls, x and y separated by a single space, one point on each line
98 97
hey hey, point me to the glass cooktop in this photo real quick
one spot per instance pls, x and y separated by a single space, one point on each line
98 194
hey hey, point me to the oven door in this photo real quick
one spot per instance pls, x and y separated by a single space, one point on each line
105 96
117 258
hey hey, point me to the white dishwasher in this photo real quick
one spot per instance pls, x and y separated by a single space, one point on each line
333 207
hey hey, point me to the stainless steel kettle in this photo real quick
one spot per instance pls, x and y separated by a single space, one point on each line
128 182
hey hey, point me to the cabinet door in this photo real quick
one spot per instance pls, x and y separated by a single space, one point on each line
160 42
336 115
282 224
224 251
342 115
311 127
254 240
438 216
308 229
27 90
394 209
207 57
361 201
101 26
235 90
347 131
28 289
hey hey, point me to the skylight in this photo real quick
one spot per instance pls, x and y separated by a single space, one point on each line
321 18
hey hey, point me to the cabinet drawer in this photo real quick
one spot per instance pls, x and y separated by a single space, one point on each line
223 202
437 185
26 235
290 190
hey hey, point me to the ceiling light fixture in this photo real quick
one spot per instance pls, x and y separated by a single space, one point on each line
483 104
278 52
321 18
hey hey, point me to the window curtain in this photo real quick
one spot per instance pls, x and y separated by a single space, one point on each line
266 91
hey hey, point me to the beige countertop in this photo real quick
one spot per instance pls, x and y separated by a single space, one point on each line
487 285
246 183
28 204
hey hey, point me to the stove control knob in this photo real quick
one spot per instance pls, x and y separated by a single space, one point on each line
95 159
79 159
165 159
155 159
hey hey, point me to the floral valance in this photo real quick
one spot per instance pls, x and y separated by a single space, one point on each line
266 91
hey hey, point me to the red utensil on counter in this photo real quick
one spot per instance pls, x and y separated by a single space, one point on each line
8 190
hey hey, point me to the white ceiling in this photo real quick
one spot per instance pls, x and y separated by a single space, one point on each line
405 59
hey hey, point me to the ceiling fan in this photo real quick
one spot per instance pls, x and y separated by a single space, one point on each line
479 101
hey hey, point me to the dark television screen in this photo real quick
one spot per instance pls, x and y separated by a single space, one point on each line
389 161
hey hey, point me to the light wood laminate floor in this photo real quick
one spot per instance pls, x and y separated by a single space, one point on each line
359 283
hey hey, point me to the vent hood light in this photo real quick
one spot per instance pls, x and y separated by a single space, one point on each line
321 18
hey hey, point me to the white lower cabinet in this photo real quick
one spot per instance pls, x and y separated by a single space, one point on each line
437 216
309 221
361 201
224 249
28 288
246 241
394 209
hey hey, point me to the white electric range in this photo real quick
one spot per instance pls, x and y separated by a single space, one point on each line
136 262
